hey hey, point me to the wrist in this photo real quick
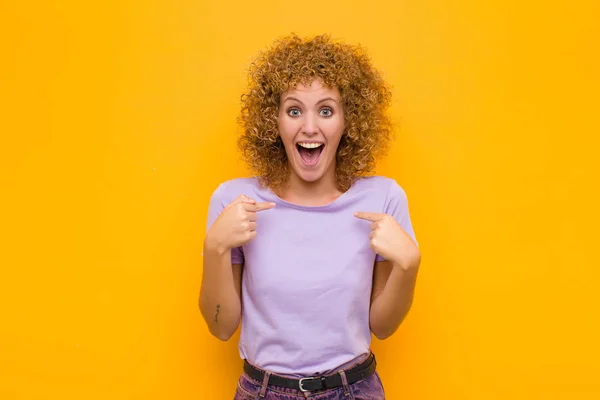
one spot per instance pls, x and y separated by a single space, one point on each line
409 264
215 246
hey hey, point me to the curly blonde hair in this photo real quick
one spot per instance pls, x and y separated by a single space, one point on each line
292 61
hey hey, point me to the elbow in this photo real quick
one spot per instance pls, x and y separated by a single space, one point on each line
382 334
383 329
221 331
385 325
224 329
223 335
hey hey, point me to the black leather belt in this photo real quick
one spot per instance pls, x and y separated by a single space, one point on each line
314 383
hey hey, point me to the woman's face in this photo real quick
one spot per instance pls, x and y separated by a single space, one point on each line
311 123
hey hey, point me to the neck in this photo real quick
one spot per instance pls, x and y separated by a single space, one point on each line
316 193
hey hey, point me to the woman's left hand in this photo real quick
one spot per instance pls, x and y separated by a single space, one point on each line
390 241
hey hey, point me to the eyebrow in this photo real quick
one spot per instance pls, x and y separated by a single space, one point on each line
318 102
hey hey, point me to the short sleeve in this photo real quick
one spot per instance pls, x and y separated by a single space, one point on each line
218 201
396 205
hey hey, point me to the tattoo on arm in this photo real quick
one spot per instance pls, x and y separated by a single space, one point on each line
217 314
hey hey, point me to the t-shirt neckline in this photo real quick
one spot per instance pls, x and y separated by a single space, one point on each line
340 199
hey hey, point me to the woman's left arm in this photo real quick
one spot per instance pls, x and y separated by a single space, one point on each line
391 298
394 280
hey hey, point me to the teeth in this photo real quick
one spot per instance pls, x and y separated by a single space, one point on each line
310 145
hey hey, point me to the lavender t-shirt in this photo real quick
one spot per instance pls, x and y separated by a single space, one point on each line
307 276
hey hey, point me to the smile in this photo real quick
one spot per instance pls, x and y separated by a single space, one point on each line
310 152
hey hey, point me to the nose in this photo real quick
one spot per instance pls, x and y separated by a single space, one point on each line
310 125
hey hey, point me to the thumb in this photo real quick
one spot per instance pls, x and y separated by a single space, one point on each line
241 199
246 199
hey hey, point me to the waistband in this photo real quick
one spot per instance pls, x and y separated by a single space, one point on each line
314 383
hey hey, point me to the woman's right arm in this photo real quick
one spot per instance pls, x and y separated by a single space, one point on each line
220 292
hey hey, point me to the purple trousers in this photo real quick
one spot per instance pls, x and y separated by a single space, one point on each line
369 388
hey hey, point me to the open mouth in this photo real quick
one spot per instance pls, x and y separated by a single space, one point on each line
310 153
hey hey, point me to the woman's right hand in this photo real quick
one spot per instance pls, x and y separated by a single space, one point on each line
236 225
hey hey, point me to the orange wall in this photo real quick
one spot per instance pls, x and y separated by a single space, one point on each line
118 121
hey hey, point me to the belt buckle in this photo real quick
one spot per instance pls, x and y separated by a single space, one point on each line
302 382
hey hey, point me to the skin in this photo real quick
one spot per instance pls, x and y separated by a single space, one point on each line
394 280
220 293
308 113
311 113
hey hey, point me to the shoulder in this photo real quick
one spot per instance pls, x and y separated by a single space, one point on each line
384 185
228 190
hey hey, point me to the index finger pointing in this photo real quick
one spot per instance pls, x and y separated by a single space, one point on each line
264 206
369 216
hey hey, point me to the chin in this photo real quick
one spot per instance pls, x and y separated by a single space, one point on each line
309 175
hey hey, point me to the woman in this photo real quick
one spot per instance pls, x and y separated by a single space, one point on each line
319 254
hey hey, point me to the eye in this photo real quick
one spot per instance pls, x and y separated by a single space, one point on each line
293 112
326 112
